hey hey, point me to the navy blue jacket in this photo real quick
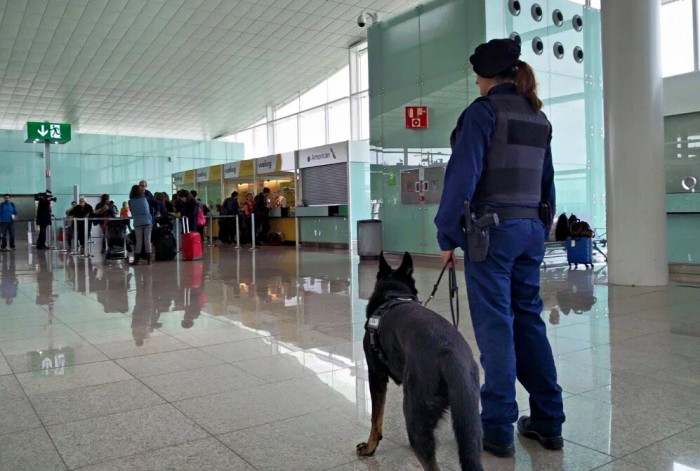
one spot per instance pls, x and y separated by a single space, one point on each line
471 140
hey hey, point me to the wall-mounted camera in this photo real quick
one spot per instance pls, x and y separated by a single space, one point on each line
366 18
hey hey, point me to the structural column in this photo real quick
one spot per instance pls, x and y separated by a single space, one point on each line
634 162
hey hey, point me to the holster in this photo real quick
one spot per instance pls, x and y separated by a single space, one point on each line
478 244
478 233
546 214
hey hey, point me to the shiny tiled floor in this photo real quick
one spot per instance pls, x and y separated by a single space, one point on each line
253 360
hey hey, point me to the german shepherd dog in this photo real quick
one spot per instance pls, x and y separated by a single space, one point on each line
420 349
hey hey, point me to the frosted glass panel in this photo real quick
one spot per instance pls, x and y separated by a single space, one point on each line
104 164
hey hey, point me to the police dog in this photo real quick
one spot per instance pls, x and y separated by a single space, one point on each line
420 349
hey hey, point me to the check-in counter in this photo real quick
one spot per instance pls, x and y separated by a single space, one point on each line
281 221
323 226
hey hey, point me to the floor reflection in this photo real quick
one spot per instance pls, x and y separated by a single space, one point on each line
255 343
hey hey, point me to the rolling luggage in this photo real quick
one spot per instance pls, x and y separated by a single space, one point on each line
579 250
165 245
191 244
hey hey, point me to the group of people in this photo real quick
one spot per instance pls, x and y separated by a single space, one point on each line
259 206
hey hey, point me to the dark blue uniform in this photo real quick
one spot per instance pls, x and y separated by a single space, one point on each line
504 289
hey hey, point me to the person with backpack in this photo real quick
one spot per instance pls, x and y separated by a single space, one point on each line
8 214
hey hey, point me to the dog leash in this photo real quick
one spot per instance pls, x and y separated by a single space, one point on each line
453 290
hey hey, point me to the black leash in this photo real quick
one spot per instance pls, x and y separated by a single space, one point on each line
453 290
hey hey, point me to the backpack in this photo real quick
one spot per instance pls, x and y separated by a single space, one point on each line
201 220
562 229
578 228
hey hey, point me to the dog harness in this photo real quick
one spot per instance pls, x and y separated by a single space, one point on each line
374 321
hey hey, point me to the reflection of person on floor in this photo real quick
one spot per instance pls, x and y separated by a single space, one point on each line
8 280
144 309
44 282
195 298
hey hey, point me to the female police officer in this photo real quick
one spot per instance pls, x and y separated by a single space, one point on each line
502 164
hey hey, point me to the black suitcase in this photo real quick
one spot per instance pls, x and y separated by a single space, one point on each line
165 245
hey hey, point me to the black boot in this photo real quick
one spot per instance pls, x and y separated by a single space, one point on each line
136 260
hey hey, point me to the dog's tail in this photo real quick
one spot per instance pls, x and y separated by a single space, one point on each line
463 394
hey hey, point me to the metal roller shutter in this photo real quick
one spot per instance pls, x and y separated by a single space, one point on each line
326 185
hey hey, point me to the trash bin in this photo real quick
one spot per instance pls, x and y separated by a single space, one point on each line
369 239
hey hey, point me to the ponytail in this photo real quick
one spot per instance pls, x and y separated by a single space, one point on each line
526 84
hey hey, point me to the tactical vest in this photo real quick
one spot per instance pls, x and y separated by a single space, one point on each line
512 172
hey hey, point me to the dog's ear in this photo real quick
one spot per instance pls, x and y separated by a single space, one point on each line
384 268
406 265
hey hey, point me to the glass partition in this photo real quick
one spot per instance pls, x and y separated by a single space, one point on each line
421 58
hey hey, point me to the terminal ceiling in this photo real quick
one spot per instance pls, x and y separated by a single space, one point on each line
170 68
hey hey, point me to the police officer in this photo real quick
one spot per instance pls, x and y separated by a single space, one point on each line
502 164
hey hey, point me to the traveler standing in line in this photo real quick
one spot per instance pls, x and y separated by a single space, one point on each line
501 164
143 223
43 219
80 211
8 214
188 208
104 209
262 215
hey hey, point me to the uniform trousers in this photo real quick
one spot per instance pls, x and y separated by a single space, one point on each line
505 305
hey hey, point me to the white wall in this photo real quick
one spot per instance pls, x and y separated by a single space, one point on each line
682 94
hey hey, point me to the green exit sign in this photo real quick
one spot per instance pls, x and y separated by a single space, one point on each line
40 131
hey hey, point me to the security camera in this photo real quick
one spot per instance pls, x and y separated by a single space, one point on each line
365 18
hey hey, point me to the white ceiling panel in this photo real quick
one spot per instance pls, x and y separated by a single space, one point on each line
170 68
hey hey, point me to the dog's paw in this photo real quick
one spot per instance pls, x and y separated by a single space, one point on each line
363 449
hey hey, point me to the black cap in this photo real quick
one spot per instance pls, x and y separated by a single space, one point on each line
494 57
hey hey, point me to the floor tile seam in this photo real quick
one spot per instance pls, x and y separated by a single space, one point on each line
611 457
621 460
99 415
142 452
43 425
102 416
213 344
184 347
231 450
96 346
221 362
261 424
655 443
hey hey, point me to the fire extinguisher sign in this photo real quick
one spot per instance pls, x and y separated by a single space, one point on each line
416 117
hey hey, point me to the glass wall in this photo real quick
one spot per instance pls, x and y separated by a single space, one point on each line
104 164
419 58
570 82
321 115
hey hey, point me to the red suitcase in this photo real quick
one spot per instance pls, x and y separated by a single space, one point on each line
191 244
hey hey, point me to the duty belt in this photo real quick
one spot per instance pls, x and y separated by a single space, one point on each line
512 212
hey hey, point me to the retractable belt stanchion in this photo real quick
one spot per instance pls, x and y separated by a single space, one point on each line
211 231
177 234
76 247
54 232
86 236
63 238
238 232
252 231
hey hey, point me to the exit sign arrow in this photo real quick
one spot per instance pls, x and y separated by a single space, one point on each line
41 131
